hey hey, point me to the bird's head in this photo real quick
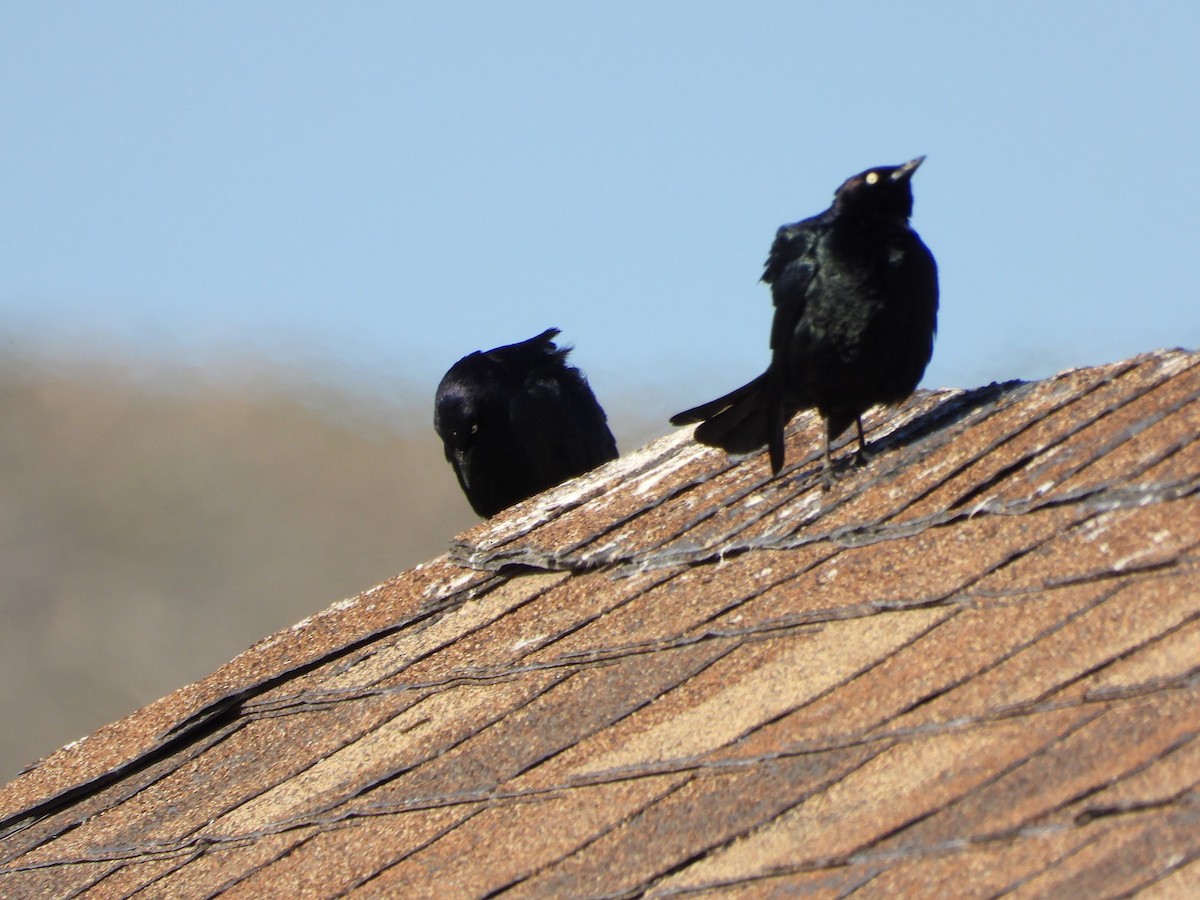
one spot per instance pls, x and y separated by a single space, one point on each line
884 191
456 421
457 428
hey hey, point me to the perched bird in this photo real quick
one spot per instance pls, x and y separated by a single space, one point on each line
856 298
517 420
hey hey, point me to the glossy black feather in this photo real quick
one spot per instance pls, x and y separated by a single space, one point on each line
856 298
517 420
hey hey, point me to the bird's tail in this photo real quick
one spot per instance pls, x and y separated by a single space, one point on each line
526 355
739 422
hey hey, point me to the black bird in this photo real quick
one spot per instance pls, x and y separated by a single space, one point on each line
518 420
856 298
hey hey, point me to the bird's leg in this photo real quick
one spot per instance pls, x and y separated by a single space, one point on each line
827 471
861 458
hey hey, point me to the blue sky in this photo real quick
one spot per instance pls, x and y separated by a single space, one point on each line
383 187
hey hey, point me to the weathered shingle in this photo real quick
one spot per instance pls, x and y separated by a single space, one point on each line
973 666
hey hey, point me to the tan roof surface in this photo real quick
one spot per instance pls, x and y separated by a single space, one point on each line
970 667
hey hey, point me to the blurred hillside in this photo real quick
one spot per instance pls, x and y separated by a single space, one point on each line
156 522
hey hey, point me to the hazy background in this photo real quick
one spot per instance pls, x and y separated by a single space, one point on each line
240 244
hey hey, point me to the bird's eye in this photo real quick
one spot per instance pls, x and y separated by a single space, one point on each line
872 177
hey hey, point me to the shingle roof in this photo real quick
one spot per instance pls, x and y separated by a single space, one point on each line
971 666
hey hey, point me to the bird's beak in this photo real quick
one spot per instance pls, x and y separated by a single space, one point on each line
462 460
905 172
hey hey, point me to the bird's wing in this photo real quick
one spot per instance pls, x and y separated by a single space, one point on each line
562 427
793 242
790 270
585 422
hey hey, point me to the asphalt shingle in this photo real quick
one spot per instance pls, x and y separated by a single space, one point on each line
973 666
